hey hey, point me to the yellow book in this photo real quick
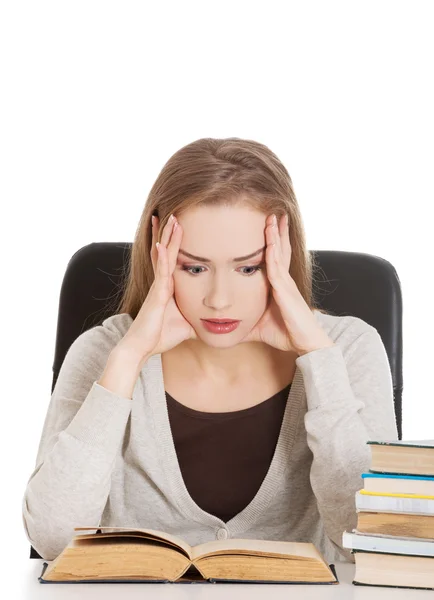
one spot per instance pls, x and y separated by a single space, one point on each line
395 495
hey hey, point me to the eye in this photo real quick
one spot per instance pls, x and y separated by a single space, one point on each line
255 268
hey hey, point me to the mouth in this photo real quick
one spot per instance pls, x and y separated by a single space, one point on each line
220 325
221 321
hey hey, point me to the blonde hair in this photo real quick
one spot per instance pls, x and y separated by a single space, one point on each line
216 172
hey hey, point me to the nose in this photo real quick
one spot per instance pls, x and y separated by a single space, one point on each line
219 296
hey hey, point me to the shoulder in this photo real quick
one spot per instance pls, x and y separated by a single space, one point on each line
117 324
98 341
344 330
359 342
87 356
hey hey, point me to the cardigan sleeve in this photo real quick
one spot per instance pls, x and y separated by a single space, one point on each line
349 392
83 429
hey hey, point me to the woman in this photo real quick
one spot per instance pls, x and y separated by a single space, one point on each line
160 420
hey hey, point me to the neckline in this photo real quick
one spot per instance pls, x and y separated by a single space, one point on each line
226 415
166 453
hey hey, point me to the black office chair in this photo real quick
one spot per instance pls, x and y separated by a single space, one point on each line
344 283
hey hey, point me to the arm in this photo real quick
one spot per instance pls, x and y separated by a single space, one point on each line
350 401
82 432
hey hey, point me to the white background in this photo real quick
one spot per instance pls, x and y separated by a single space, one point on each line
96 96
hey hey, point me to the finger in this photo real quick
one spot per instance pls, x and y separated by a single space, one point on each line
174 245
274 231
274 238
163 278
167 231
165 240
154 251
277 269
271 251
276 235
285 244
162 269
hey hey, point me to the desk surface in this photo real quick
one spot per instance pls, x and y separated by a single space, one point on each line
24 581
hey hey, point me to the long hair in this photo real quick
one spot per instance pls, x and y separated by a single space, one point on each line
216 172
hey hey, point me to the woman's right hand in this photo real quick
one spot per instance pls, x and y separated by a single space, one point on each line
159 325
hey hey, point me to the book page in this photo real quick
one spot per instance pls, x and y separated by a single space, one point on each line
152 533
279 549
421 443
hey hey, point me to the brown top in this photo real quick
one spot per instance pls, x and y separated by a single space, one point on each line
224 457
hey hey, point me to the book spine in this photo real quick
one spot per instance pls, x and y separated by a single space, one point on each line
392 544
393 476
394 503
395 495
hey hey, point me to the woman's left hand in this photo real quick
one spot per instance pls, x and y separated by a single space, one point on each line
288 323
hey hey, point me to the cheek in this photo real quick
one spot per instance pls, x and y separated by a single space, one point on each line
181 289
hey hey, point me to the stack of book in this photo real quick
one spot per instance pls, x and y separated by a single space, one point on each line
393 544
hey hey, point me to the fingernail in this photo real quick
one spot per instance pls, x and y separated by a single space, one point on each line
274 220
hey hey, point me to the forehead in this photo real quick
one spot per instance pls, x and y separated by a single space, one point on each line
211 232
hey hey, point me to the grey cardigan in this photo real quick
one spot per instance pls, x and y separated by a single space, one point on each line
109 460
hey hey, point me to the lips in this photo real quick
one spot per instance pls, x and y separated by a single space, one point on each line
214 327
221 320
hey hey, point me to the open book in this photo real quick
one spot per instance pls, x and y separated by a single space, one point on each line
118 554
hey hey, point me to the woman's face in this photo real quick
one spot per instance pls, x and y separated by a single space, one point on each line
221 287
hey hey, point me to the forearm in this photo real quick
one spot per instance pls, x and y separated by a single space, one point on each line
83 431
69 488
349 403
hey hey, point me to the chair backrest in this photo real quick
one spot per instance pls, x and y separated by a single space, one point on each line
344 283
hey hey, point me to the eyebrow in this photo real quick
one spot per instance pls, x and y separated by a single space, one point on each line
207 260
